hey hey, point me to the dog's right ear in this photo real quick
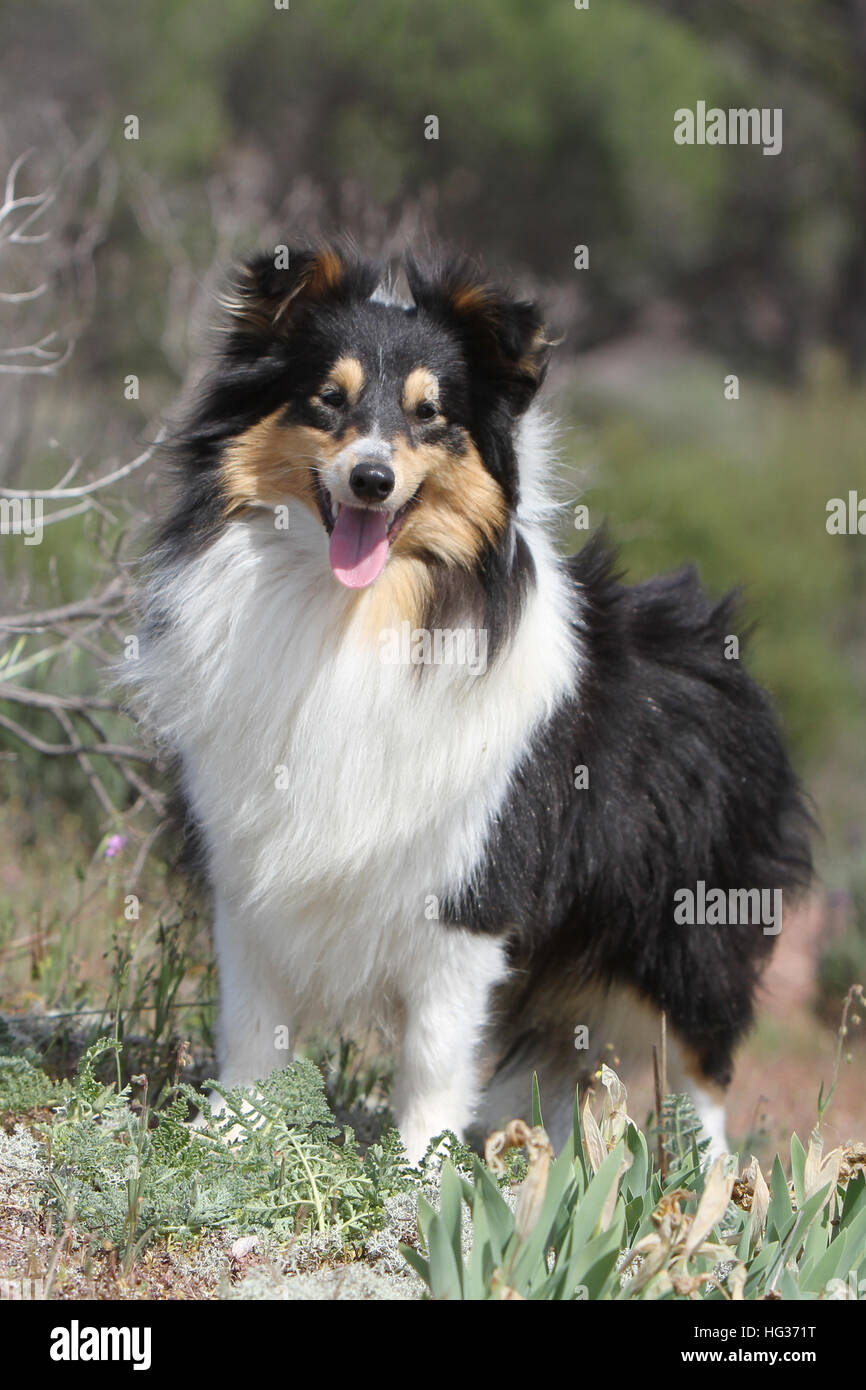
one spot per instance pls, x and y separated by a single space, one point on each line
269 291
503 337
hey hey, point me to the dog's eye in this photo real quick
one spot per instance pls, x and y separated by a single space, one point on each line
427 410
332 396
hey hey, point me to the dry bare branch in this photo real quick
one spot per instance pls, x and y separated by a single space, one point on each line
111 601
85 489
59 750
40 699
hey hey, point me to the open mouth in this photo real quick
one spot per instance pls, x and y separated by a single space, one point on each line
361 537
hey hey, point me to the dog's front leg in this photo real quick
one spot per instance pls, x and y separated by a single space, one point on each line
255 1002
446 997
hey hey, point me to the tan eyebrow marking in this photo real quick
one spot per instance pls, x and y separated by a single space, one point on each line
348 374
420 385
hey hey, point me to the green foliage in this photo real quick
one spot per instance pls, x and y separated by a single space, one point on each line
125 1175
680 1126
555 126
624 1232
351 1078
686 477
25 1086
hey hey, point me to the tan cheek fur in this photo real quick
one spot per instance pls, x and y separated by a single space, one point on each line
461 510
401 594
270 462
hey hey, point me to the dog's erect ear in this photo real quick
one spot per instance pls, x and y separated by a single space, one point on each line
268 291
503 338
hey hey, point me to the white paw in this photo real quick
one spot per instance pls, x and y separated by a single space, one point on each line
416 1138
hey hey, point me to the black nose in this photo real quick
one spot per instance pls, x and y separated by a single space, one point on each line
372 482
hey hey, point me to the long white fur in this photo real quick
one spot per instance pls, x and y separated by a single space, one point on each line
342 799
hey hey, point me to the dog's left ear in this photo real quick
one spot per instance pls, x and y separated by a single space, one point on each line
269 291
503 338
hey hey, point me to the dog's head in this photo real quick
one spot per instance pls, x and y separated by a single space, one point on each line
394 425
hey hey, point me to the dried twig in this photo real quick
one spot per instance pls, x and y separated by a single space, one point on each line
40 699
112 600
59 750
85 489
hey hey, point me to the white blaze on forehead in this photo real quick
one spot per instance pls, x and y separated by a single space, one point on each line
387 293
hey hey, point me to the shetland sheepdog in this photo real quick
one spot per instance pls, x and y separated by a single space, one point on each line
445 779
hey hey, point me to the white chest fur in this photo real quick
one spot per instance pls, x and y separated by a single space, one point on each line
341 797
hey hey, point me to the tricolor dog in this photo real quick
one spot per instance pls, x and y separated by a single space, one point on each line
484 856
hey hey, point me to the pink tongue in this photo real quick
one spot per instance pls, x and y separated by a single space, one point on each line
359 546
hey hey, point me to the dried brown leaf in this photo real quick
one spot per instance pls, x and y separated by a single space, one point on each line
818 1173
614 1115
712 1206
539 1152
593 1142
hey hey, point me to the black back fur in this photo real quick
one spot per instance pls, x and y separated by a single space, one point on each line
688 781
